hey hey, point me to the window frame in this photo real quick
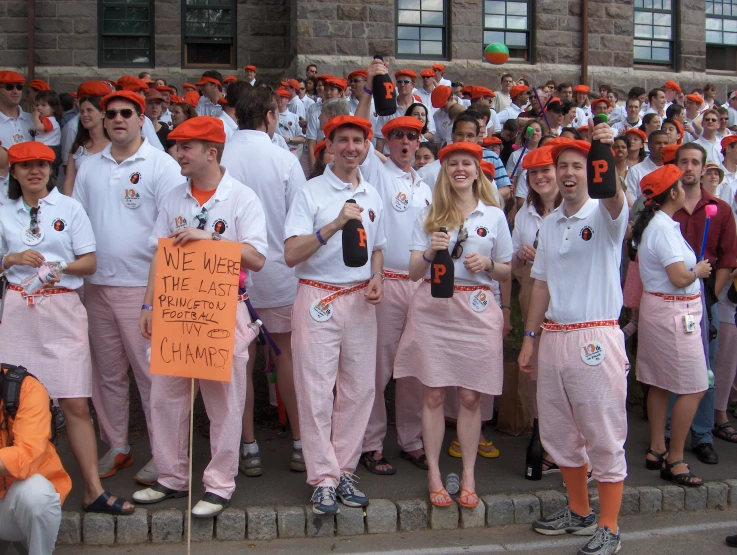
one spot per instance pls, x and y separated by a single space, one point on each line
674 28
446 32
101 5
728 47
529 31
223 4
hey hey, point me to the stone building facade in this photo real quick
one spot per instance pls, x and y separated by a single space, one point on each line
77 39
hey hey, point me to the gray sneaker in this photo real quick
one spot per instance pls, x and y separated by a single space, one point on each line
323 501
566 521
348 493
604 542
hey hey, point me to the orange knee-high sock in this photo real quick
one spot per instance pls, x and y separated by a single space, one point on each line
610 500
578 492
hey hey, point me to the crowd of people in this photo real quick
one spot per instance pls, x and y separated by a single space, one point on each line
91 179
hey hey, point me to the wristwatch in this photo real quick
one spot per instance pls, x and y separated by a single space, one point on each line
531 334
216 236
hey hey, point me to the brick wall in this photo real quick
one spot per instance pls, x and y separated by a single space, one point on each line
558 31
692 38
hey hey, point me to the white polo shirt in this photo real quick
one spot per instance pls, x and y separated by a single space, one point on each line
66 234
306 102
123 201
51 135
713 149
404 195
314 131
229 124
381 121
488 235
3 189
166 119
510 112
579 258
278 140
297 107
526 227
317 204
623 126
205 107
234 211
274 175
662 245
16 130
635 175
289 128
443 127
728 192
500 101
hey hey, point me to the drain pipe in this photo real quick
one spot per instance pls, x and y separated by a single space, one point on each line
31 40
584 41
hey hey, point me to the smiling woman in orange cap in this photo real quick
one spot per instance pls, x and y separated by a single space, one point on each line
43 229
464 202
670 358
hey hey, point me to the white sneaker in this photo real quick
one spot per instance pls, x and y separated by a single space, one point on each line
148 475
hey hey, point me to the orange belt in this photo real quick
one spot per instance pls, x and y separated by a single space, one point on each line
388 274
338 291
555 326
40 293
465 287
665 297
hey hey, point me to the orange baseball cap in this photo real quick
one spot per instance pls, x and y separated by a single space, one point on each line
93 88
208 79
131 83
480 92
30 150
164 88
488 169
192 98
39 85
340 121
582 146
538 158
407 73
473 149
517 90
728 140
660 180
600 101
403 122
337 83
136 99
201 128
188 86
440 95
488 141
11 77
293 83
427 73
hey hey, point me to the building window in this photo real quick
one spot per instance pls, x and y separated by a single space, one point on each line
721 35
208 29
653 40
422 29
509 23
125 33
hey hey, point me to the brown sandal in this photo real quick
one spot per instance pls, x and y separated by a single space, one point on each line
368 460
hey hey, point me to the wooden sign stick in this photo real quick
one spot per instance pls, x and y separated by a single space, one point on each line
191 454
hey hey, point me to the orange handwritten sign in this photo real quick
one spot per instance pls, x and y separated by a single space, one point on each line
195 300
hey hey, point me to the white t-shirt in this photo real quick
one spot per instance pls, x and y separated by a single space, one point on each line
443 127
297 107
662 245
621 127
635 175
579 258
70 133
51 135
123 201
275 177
488 235
314 131
205 107
526 227
65 229
510 112
317 204
230 125
713 150
16 130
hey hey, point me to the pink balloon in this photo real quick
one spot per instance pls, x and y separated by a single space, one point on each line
711 210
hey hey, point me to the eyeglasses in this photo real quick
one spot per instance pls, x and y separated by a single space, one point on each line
34 220
126 113
458 247
404 82
358 80
710 120
724 119
201 218
411 135
16 86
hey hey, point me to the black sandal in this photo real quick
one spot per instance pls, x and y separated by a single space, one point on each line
101 505
420 462
683 479
721 432
658 463
368 460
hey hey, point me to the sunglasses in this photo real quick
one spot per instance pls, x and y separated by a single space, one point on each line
404 82
458 247
411 135
34 220
357 80
126 113
710 120
201 218
17 87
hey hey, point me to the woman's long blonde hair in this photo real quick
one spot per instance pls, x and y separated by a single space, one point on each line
444 211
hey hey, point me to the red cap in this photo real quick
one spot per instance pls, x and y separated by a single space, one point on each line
188 86
439 67
164 88
440 95
403 122
319 147
728 140
491 140
669 153
639 132
284 93
581 89
294 84
601 100
192 98
480 92
467 89
230 79
201 128
673 86
358 73
538 158
518 89
39 85
175 99
135 98
153 94
488 169
11 77
407 73
131 83
324 77
204 80
427 73
74 95
340 121
93 88
249 68
660 180
31 150
581 146
695 98
582 129
337 83
473 149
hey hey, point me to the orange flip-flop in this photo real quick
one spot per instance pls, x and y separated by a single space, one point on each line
468 495
443 495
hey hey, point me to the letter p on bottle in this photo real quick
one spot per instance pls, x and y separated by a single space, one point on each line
438 271
600 167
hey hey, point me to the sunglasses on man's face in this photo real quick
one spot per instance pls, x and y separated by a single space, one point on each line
710 120
126 113
411 135
404 82
16 86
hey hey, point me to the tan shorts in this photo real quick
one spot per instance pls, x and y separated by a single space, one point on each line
277 319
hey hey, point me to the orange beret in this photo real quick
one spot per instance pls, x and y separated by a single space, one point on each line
660 180
204 80
581 146
558 141
192 98
74 95
135 98
538 158
488 169
488 141
249 68
131 83
518 89
153 94
439 67
403 122
164 88
93 88
324 77
669 153
407 73
294 84
639 132
358 73
440 95
230 79
319 147
480 92
284 93
340 121
695 98
39 85
31 150
427 73
175 99
473 149
581 89
337 83
11 77
582 129
189 86
201 128
600 101
673 86
467 89
728 140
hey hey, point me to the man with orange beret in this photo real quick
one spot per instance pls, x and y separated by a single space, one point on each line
428 85
518 94
212 91
672 91
442 100
209 206
439 70
250 74
289 127
655 143
16 126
